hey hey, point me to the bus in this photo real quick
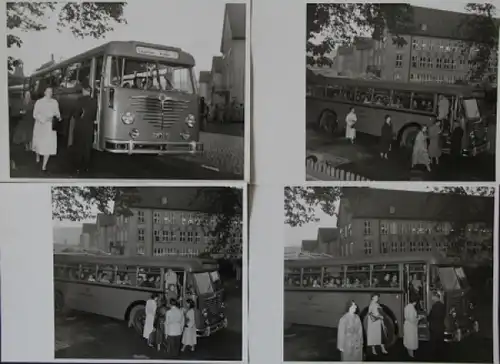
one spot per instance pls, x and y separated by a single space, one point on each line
410 105
316 291
114 286
147 97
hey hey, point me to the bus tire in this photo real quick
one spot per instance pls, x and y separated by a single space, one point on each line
389 321
136 318
407 136
328 122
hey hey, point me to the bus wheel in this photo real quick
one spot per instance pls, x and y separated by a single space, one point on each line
391 328
328 121
408 136
137 318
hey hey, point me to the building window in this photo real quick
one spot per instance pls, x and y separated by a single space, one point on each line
182 235
156 217
422 62
368 228
197 239
397 76
368 246
414 44
190 236
402 246
190 219
394 246
351 248
349 229
413 246
165 235
173 236
140 217
156 234
414 61
384 247
166 218
430 64
399 60
384 230
140 234
439 63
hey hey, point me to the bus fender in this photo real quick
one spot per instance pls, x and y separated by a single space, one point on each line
404 130
128 317
390 322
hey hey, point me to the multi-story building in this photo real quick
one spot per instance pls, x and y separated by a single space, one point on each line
88 236
167 221
216 87
204 82
325 242
106 238
388 222
354 61
233 49
435 49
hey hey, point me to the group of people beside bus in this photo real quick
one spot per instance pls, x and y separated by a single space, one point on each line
167 322
38 129
351 331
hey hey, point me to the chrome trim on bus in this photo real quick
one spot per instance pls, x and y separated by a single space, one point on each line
146 147
212 328
159 113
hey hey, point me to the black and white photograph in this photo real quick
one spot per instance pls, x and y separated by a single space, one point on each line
388 274
398 92
149 273
123 90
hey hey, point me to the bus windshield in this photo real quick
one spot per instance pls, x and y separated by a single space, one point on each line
471 108
150 75
452 278
204 282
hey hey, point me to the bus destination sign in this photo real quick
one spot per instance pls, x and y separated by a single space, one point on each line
157 52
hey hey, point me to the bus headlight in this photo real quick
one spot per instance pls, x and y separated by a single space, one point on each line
204 312
128 118
190 120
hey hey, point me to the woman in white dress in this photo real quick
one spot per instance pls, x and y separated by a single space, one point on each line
410 337
189 334
44 138
350 122
151 307
375 325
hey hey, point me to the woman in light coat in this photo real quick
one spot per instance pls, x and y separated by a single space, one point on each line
151 306
44 138
375 325
350 122
410 331
350 334
189 334
420 152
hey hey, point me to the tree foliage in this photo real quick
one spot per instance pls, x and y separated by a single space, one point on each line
329 25
83 19
481 29
226 204
302 204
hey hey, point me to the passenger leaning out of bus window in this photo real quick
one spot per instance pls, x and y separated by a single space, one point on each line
174 326
410 330
443 112
350 122
151 306
420 155
84 129
189 334
44 137
350 334
435 141
375 327
386 137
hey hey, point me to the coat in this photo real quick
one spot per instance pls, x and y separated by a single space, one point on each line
189 334
434 141
420 154
83 133
150 318
386 138
350 121
436 321
350 337
24 130
44 138
374 325
410 330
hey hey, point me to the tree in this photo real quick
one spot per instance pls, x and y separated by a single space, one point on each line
225 204
83 19
302 203
481 29
330 25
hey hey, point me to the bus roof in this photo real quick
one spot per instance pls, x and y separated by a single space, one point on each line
431 258
193 264
453 89
127 49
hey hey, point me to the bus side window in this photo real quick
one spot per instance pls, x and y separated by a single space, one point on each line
311 278
124 275
292 277
74 272
382 97
386 276
357 276
423 102
364 95
88 272
332 277
106 274
84 72
348 93
401 99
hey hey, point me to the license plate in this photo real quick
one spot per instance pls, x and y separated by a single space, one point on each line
159 135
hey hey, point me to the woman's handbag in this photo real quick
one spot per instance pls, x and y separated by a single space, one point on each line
55 124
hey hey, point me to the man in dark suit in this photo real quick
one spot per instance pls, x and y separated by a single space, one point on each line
436 327
84 129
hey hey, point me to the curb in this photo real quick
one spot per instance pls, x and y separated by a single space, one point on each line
336 173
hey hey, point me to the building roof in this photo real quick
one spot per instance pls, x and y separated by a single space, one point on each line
305 256
328 234
439 23
309 245
89 228
235 19
205 76
367 202
106 220
217 64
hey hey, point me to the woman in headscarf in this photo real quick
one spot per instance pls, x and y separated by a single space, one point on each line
420 153
350 334
44 137
375 325
24 130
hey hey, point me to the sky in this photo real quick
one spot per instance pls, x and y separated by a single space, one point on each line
295 235
193 25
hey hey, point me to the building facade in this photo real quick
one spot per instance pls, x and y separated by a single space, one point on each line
355 61
324 244
204 85
216 87
375 222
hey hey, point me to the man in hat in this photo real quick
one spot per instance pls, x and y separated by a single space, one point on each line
84 128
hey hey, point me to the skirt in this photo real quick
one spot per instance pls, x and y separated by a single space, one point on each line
189 336
44 139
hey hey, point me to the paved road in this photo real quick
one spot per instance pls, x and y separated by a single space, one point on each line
107 165
363 159
87 336
306 343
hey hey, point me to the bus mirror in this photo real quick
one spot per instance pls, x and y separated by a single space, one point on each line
111 101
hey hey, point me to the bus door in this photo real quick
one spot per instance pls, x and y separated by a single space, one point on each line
97 77
416 287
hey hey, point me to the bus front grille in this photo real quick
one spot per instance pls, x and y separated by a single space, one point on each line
160 114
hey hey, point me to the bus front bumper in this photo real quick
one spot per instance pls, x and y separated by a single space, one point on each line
154 148
212 329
